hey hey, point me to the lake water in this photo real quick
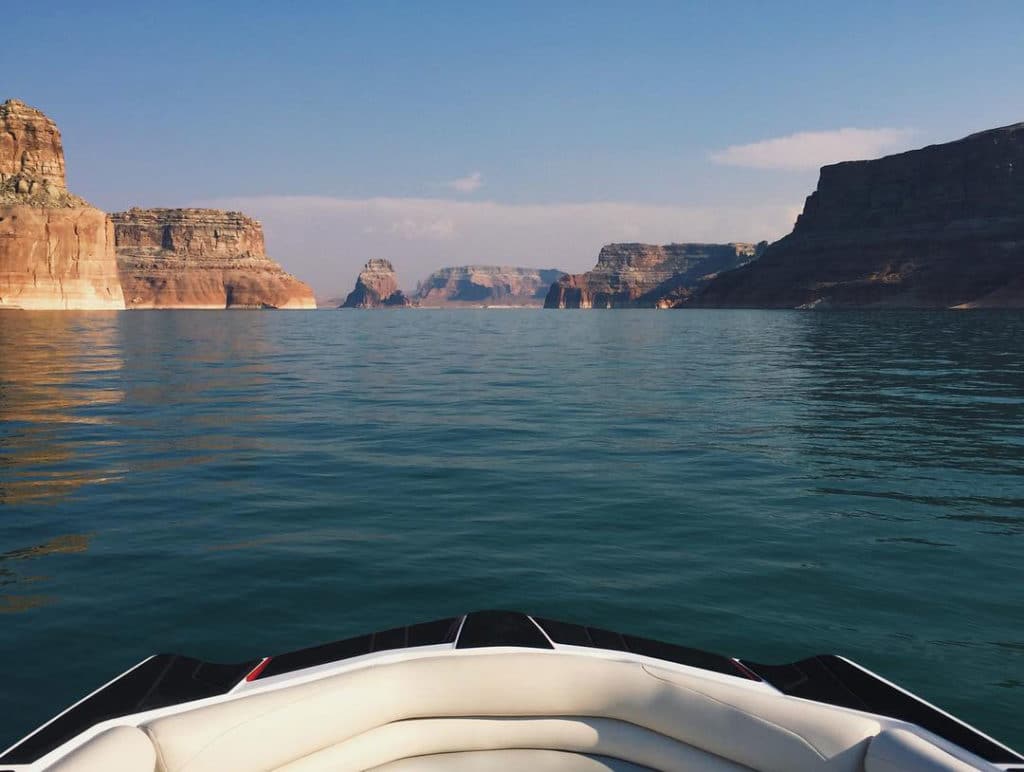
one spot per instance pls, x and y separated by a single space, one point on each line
765 485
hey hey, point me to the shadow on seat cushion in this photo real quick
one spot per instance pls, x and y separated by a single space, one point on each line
591 736
897 750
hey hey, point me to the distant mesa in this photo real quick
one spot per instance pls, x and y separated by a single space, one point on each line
56 251
484 285
200 258
376 287
938 227
646 275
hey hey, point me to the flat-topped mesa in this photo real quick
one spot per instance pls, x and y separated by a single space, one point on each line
376 287
479 285
938 227
646 275
56 251
200 258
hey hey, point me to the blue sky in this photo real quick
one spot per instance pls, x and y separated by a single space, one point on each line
523 132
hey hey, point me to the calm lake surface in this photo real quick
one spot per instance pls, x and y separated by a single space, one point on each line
766 485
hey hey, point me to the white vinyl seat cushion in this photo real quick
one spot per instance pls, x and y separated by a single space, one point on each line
588 736
119 749
897 750
751 728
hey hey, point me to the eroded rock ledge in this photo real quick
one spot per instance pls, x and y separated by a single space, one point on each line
376 287
646 275
200 258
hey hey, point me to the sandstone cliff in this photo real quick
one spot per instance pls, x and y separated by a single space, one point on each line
376 287
478 285
645 275
56 251
938 227
200 258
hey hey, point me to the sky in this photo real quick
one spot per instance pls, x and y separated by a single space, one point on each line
517 133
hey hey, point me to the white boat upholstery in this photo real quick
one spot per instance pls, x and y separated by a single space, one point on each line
606 737
473 710
753 729
504 761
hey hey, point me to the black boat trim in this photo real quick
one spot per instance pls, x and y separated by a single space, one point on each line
169 679
160 681
423 634
838 681
501 628
570 634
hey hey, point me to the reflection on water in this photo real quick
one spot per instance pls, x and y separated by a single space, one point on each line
59 377
200 387
12 572
87 400
60 545
193 391
11 604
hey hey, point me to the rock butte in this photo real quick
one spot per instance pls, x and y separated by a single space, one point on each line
56 251
376 287
647 276
200 258
479 285
938 227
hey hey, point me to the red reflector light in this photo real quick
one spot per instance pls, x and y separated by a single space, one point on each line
255 672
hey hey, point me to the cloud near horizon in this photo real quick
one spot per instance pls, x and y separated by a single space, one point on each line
468 184
325 240
811 149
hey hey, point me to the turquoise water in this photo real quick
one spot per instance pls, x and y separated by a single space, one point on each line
767 485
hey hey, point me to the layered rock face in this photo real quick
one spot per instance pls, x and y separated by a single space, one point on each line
376 287
646 275
31 152
200 258
938 227
56 251
478 285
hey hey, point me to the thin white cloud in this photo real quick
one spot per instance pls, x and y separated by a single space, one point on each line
411 229
326 240
811 149
468 184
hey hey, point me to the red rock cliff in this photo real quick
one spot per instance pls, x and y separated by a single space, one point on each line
646 275
938 227
56 251
200 258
